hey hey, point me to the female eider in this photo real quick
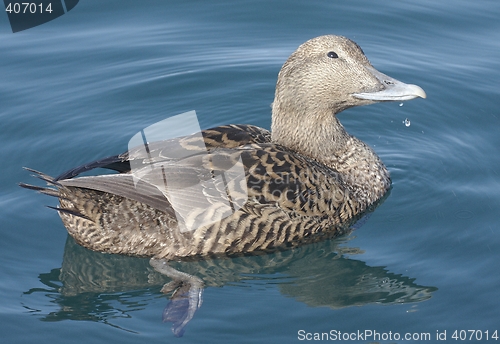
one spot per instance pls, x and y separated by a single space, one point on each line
306 179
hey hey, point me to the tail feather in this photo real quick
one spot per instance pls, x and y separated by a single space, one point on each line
52 190
41 189
43 176
117 163
70 211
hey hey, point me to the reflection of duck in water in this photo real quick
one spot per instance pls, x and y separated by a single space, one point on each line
101 287
331 178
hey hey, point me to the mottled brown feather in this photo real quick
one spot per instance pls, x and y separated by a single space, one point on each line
307 180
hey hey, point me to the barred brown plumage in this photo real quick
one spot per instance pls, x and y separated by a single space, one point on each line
306 180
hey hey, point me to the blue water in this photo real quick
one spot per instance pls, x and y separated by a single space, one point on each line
79 87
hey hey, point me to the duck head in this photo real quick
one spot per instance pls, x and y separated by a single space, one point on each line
324 76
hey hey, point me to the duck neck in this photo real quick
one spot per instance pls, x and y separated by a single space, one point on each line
323 138
320 136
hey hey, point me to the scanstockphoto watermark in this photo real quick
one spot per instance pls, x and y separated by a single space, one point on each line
205 185
374 335
363 335
24 15
172 157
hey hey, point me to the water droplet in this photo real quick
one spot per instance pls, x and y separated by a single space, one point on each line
407 122
400 104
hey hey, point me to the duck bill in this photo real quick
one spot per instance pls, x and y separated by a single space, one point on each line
394 90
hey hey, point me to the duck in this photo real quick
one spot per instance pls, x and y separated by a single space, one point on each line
241 189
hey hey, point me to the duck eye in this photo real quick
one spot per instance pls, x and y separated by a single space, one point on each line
332 55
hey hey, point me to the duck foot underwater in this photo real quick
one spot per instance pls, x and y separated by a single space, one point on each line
186 299
305 180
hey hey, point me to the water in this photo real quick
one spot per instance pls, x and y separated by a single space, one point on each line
79 87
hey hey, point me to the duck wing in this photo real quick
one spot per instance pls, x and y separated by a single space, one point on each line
227 136
207 186
201 188
195 184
